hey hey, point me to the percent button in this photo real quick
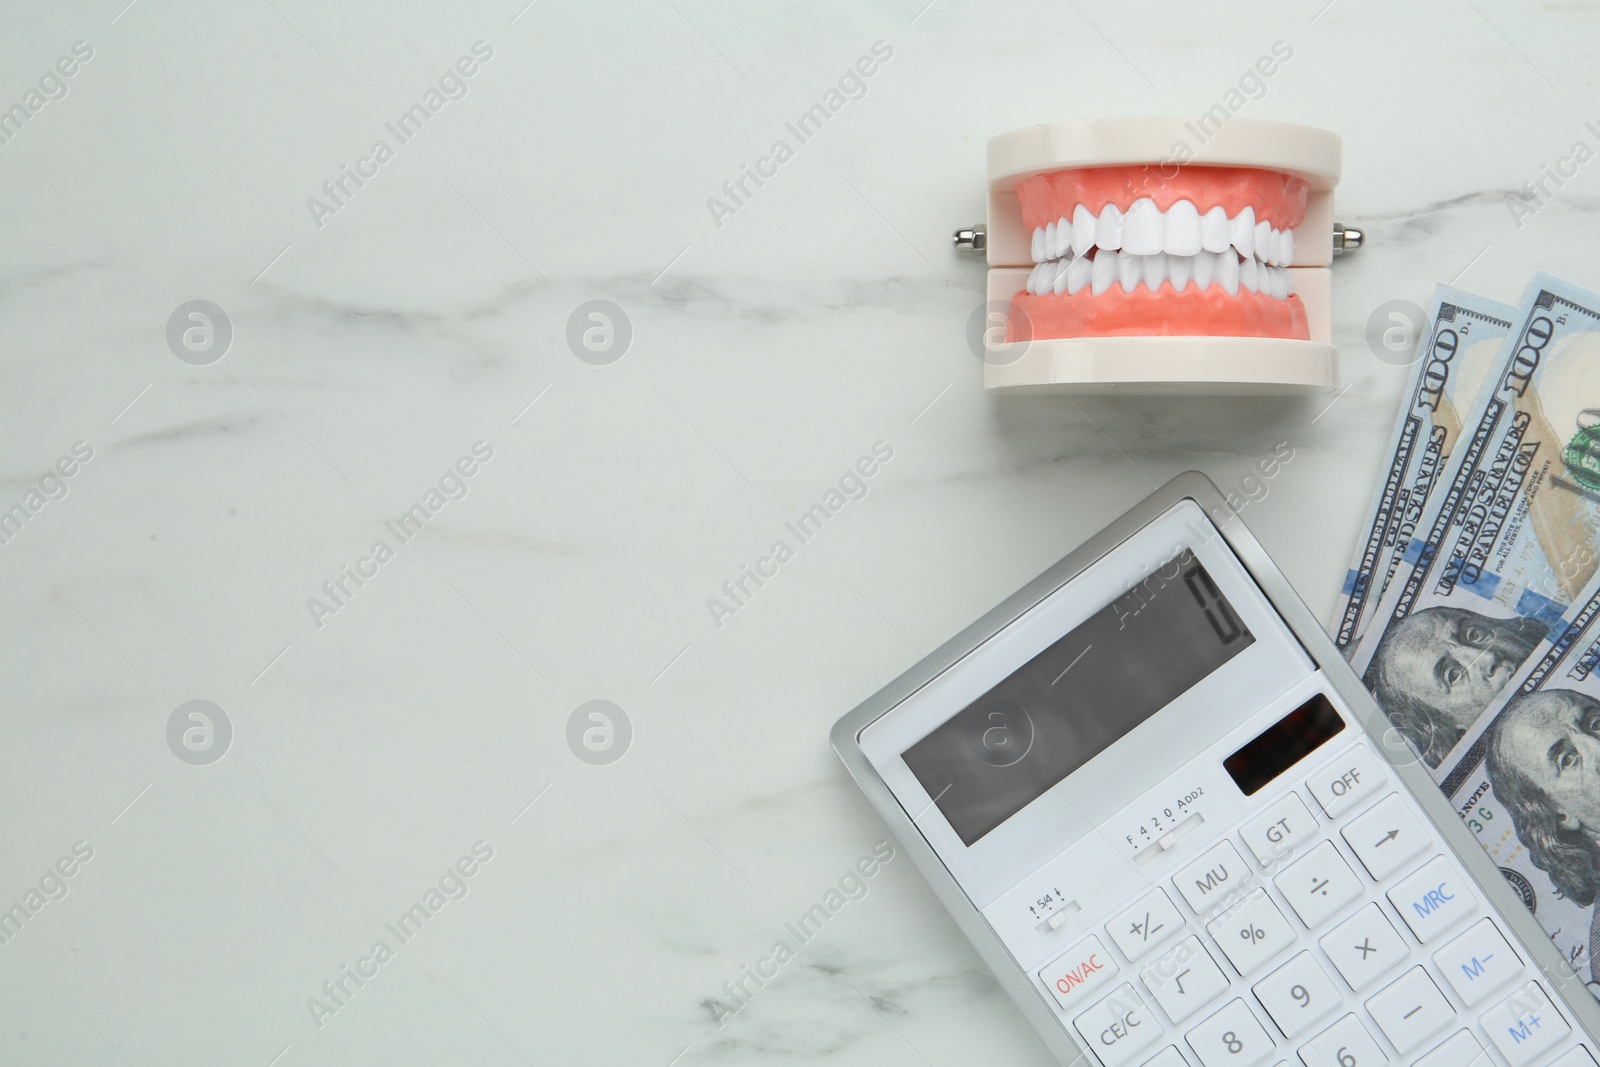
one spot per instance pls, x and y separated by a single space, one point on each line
1251 932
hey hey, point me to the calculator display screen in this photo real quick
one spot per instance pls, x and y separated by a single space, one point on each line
1057 711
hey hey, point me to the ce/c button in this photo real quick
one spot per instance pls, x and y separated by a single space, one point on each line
1119 1027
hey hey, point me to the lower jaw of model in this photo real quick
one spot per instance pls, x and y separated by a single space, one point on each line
1126 251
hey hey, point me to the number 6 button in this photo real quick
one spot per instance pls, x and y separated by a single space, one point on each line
1344 1044
1230 1038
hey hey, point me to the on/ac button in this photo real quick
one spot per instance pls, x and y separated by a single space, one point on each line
1077 975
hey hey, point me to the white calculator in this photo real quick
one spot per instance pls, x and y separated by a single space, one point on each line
1181 834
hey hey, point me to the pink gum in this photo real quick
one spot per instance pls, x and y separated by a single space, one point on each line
1277 198
1207 312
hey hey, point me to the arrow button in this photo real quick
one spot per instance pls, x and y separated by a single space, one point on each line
1387 836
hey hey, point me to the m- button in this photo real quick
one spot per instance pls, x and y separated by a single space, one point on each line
1210 879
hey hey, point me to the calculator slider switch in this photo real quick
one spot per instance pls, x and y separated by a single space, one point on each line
1058 918
1166 841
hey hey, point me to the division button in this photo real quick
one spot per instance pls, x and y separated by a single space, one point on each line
1364 947
1347 781
1525 1026
1410 1010
1387 836
1152 919
1319 884
1478 962
1433 899
1119 1027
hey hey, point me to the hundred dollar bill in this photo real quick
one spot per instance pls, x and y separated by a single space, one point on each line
1453 362
1525 782
1510 536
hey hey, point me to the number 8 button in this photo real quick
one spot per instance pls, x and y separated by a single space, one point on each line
1231 1038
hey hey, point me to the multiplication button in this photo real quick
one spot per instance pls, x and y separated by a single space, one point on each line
1364 947
1119 1027
1151 920
1525 1026
1210 879
1347 781
1386 837
1318 885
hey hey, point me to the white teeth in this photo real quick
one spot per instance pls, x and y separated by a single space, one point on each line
1141 229
1250 274
1228 272
1183 229
1038 245
1078 273
1050 241
1033 279
1280 283
1083 225
1214 230
1178 269
1286 247
1265 245
1104 271
1242 229
1059 285
1063 236
1108 228
1205 265
1129 271
1155 271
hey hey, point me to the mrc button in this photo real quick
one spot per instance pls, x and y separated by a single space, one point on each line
1433 899
1078 975
1215 876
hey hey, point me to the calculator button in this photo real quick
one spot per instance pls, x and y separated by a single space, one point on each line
1209 879
1145 925
1167 1057
1344 1044
1386 837
1433 899
1346 781
1461 1049
1318 885
1119 1027
1478 962
1230 1038
1525 1025
1274 834
1252 932
1578 1057
1298 995
1184 980
1364 946
1410 1010
1079 975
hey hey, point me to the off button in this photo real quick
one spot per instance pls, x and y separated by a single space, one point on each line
1119 1027
1347 781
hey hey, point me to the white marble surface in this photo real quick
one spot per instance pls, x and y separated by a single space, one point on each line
768 353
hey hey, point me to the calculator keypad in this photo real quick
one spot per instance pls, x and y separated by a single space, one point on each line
1344 934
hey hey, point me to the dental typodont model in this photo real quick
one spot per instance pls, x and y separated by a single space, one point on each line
1127 258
